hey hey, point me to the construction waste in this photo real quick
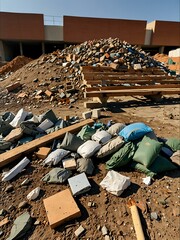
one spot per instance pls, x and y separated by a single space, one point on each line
57 77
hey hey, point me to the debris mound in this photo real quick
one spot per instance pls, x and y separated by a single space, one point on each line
15 64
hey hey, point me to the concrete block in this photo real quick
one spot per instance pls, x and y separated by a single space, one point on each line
69 163
46 124
79 231
13 86
79 184
96 113
14 135
137 66
43 152
86 115
60 208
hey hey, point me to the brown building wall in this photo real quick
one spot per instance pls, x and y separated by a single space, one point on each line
20 26
166 33
80 29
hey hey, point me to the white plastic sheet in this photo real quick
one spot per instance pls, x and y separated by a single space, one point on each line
115 183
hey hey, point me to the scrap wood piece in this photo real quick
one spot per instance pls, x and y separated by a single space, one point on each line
136 220
15 153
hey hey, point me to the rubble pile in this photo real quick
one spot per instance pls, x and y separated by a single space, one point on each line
17 63
70 162
56 77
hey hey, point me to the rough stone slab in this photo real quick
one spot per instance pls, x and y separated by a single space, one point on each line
60 208
21 225
14 135
16 153
79 184
13 86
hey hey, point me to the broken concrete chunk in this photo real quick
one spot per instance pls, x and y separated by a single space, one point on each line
45 124
57 175
104 230
61 208
50 115
21 225
16 169
5 128
79 231
79 184
34 194
20 117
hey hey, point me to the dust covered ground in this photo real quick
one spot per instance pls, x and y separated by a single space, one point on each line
162 196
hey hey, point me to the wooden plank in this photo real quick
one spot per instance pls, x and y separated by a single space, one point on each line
132 92
17 152
90 89
141 82
127 77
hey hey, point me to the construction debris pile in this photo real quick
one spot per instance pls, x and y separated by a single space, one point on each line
72 159
17 63
57 77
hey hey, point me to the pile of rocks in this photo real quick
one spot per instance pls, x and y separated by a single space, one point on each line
60 72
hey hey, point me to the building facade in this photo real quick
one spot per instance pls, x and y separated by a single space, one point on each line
25 34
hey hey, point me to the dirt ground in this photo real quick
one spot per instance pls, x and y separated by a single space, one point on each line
162 196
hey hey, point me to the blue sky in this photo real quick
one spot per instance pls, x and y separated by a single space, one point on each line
150 10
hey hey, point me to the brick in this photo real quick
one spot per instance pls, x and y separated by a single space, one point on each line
86 115
96 113
48 93
13 86
43 152
69 163
14 135
4 221
114 66
79 184
60 208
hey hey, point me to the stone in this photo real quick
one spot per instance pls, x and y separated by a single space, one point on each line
25 182
107 237
62 95
60 208
79 184
9 188
69 163
96 113
154 215
57 175
1 233
40 92
104 230
34 194
14 135
79 231
43 152
23 204
11 208
21 225
37 222
86 115
13 86
22 95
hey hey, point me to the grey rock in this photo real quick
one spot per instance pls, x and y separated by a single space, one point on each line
23 204
25 182
57 175
154 215
21 225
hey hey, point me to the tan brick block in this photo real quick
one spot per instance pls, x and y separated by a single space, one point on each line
43 152
60 208
14 135
48 93
69 163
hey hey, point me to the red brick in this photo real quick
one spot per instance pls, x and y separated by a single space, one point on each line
60 208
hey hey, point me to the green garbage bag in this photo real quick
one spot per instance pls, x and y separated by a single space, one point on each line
86 133
122 157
